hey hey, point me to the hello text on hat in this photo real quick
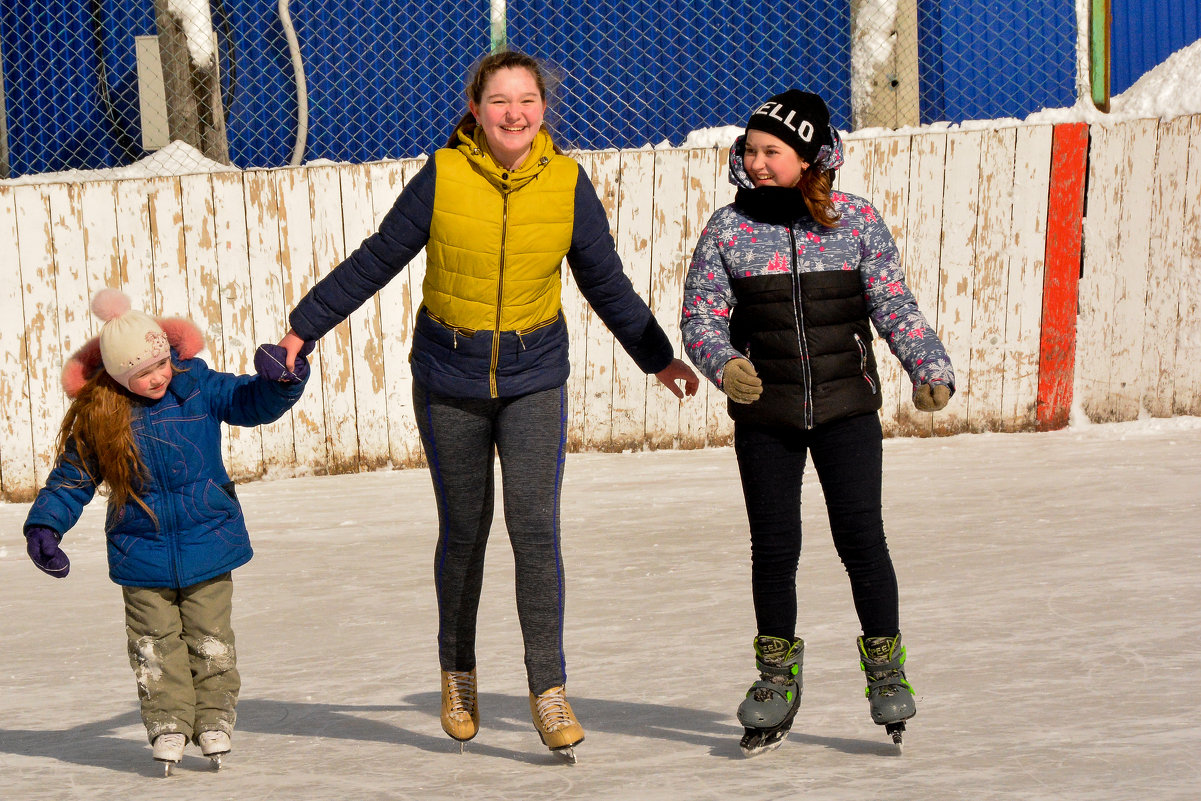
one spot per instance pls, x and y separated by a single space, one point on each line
130 340
800 119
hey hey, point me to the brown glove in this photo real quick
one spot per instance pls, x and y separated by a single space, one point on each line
740 381
931 397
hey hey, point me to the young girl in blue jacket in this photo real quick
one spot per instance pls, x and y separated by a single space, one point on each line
784 288
144 421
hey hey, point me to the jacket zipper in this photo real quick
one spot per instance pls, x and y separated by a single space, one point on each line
500 288
799 316
863 363
166 521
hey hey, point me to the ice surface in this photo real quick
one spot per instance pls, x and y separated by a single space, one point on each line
1050 602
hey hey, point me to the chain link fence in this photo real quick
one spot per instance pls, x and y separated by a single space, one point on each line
93 84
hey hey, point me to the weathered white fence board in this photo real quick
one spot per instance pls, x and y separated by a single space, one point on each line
1126 353
358 222
721 427
889 194
702 177
298 273
957 279
396 311
16 435
994 230
1106 188
267 299
592 407
40 310
1165 250
921 255
1187 390
635 223
668 263
337 384
237 313
235 252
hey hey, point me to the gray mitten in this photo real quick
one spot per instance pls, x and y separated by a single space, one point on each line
931 397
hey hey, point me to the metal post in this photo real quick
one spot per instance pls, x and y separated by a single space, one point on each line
194 111
500 32
884 69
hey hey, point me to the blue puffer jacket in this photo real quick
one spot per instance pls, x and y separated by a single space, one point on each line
200 532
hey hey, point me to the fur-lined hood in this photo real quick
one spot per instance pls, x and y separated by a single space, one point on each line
185 337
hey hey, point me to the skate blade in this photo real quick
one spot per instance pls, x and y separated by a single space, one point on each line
167 764
761 748
896 731
216 760
567 754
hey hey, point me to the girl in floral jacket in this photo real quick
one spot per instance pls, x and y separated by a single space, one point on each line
777 304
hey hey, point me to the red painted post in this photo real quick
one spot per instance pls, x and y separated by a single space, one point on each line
1065 217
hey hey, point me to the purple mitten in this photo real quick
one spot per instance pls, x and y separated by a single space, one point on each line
269 363
42 545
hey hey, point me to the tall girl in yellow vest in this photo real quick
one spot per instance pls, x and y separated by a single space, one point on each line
497 209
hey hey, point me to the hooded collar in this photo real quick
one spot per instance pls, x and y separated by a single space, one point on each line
775 205
474 145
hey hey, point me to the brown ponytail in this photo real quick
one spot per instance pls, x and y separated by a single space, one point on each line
815 186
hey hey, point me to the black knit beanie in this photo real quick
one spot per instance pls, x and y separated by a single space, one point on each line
800 119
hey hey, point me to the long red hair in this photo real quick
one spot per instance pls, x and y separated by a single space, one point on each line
98 425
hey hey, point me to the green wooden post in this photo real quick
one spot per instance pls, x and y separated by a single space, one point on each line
1100 23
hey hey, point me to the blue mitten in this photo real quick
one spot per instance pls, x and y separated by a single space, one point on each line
269 363
42 545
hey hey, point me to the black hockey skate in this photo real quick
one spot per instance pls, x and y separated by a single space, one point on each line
888 691
772 702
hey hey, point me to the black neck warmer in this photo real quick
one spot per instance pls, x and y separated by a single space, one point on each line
775 205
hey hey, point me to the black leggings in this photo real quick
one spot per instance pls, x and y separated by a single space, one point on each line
847 455
461 437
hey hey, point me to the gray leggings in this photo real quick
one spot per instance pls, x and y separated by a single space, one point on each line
460 437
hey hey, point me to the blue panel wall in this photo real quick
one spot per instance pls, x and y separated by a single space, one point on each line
386 77
638 72
981 60
1143 34
70 82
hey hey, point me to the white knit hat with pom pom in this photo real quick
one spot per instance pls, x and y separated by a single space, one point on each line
129 340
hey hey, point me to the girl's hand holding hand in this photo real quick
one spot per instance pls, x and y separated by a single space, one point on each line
272 363
678 371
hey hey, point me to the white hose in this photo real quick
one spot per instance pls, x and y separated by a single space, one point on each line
302 91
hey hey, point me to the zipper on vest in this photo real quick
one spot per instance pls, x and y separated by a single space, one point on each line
799 316
500 288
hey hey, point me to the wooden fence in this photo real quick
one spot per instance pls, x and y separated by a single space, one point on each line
987 221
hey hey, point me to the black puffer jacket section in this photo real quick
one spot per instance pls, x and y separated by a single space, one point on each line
810 341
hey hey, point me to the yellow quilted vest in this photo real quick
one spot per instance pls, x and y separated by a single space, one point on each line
498 237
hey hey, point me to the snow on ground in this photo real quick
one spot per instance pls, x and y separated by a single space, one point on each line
1050 588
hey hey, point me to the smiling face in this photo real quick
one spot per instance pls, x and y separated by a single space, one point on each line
510 111
771 162
151 382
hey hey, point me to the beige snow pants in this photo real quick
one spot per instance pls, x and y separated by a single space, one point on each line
181 648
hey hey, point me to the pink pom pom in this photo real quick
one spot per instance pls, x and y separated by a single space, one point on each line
110 303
